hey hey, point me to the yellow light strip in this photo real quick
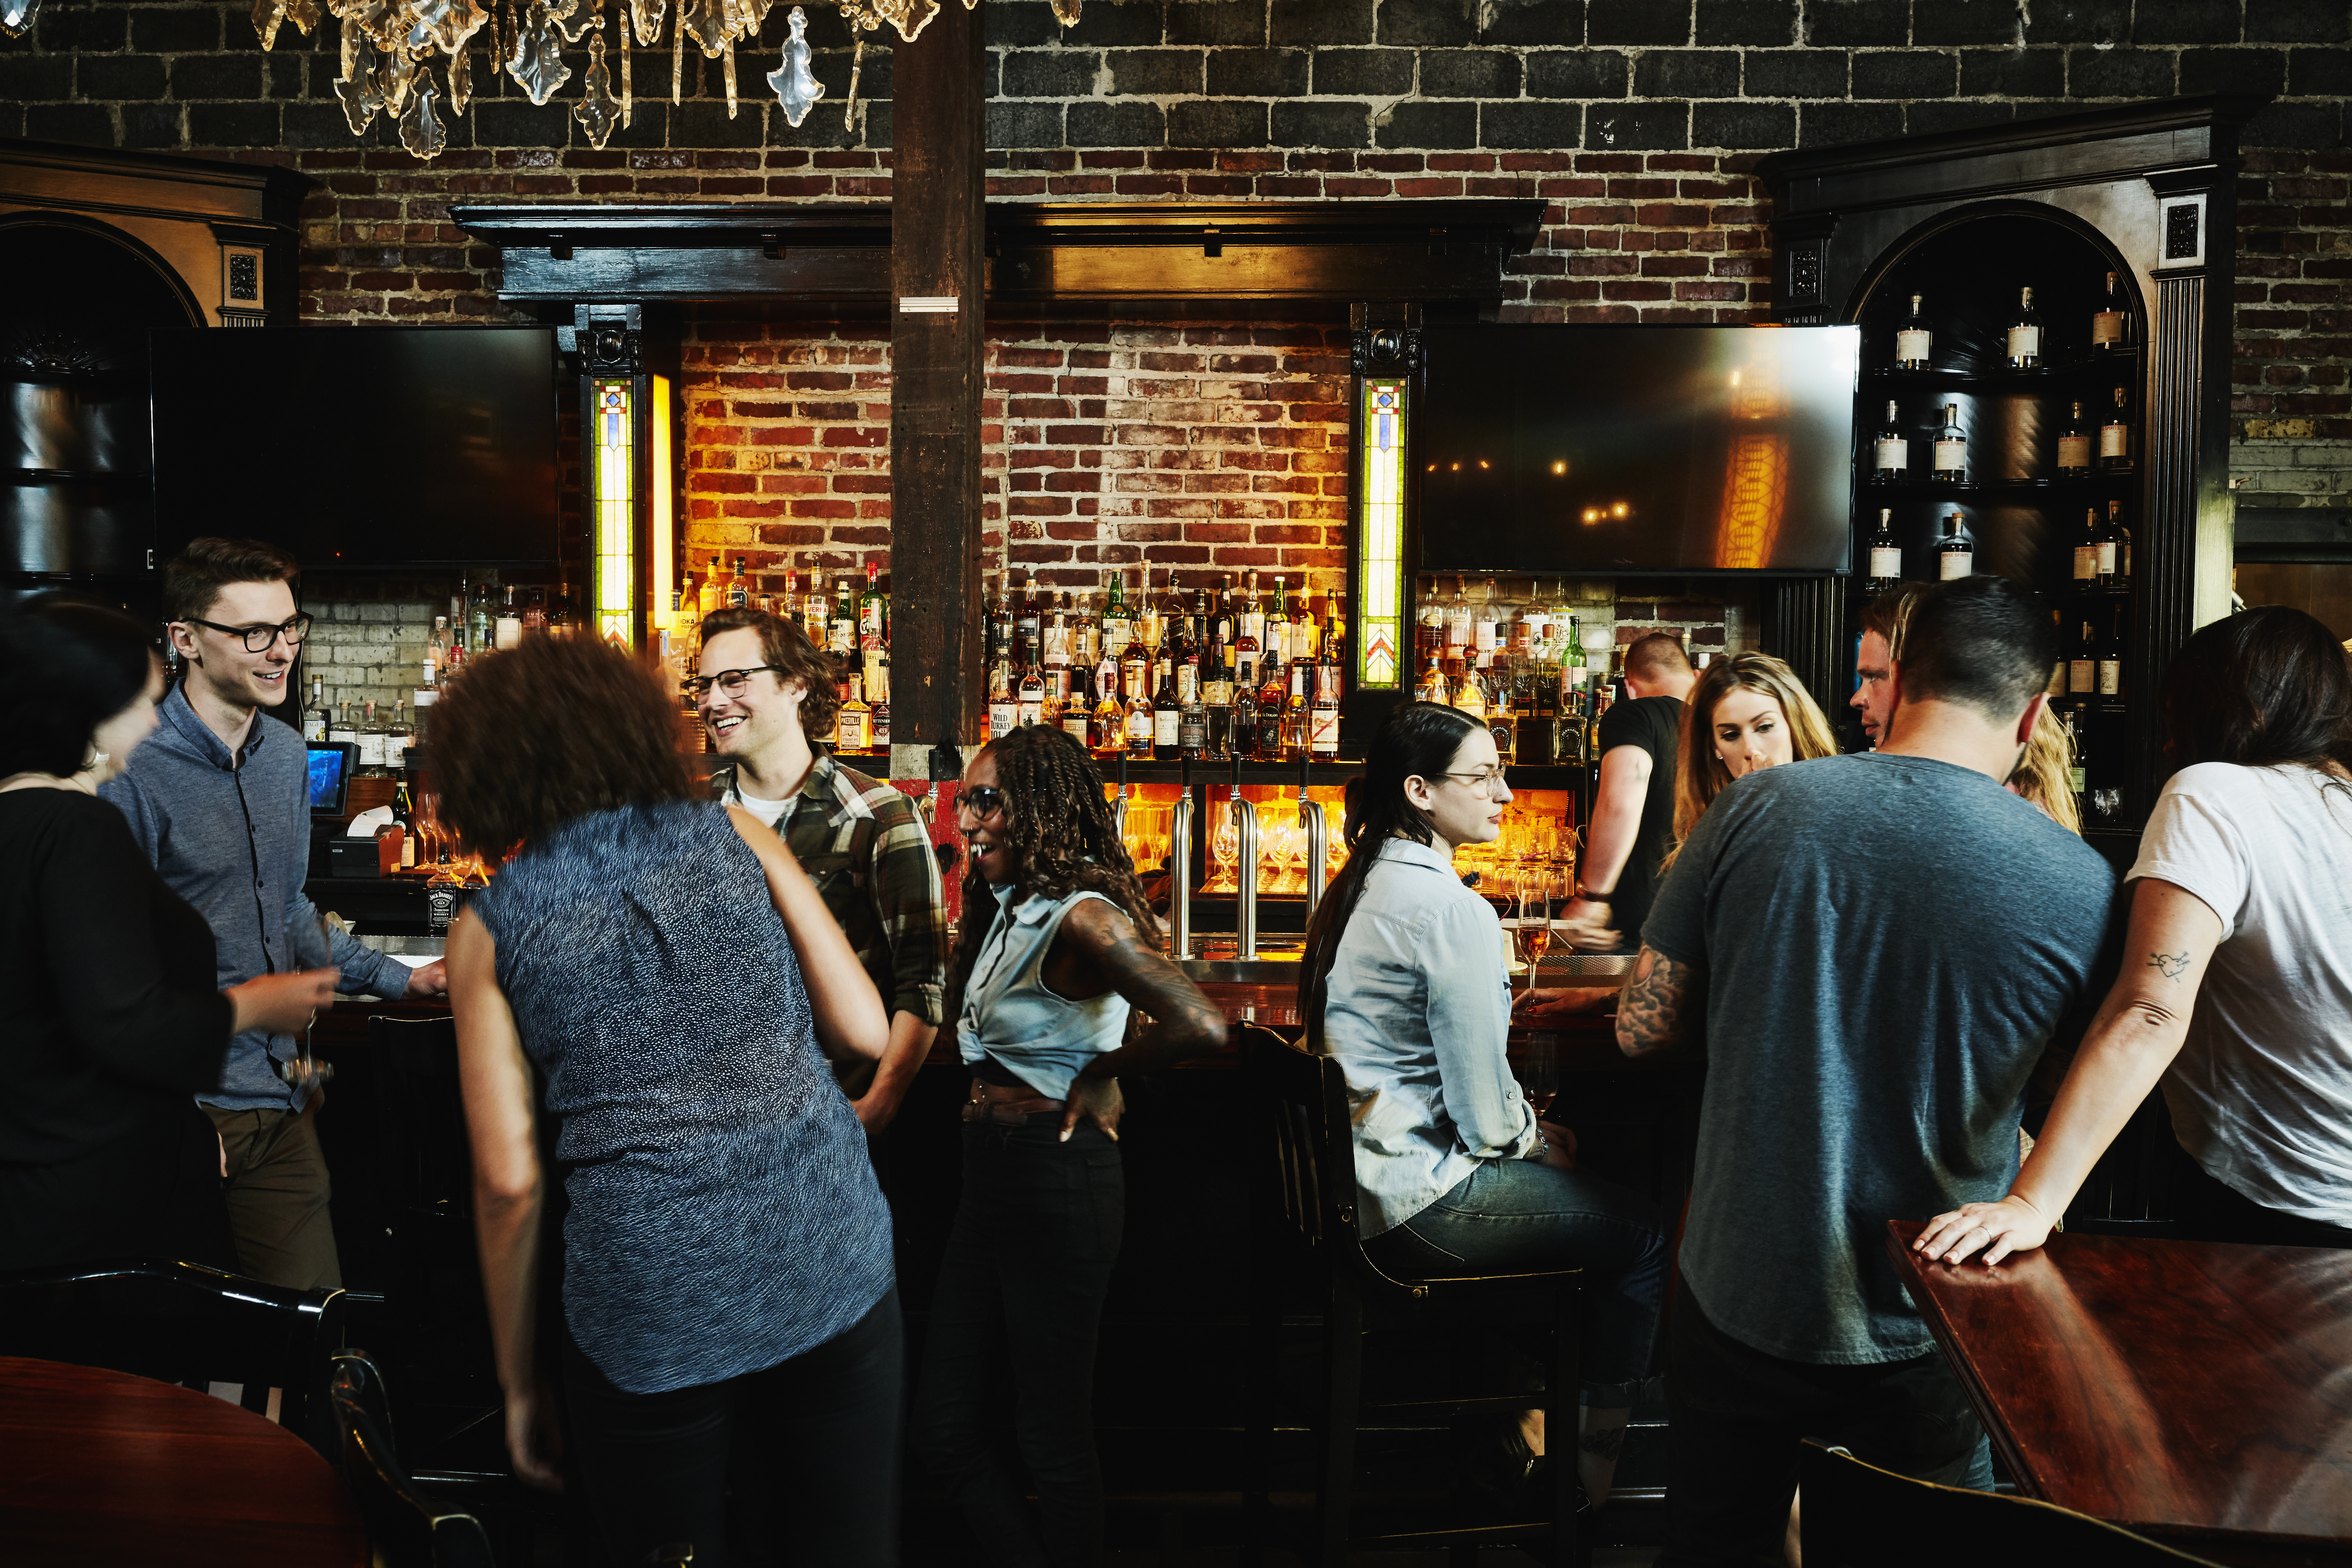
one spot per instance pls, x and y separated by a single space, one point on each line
1379 547
613 442
662 577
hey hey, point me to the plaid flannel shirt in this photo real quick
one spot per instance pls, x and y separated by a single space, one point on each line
864 846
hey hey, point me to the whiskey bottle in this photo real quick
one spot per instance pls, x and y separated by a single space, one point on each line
855 734
816 611
1952 448
1117 626
1140 717
738 586
1242 729
1295 709
442 892
2111 322
1032 696
316 719
878 698
1078 715
371 744
2114 551
1323 715
1892 464
2083 657
2025 334
1108 736
1191 717
1003 702
2086 552
2112 633
2075 445
396 738
873 607
1955 555
841 628
341 731
2115 436
1886 555
1270 690
1915 343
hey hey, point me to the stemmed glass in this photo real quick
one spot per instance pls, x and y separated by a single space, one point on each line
1534 922
1225 847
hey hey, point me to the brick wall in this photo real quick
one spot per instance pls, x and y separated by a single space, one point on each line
1638 121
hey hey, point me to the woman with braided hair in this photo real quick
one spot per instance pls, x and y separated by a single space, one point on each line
1058 944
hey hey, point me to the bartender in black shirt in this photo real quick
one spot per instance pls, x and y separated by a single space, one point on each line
1633 809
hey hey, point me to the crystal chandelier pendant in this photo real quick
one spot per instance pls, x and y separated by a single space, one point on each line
537 64
461 78
598 110
16 17
1066 12
362 94
796 86
910 17
421 130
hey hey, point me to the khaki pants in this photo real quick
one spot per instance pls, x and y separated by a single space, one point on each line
278 1193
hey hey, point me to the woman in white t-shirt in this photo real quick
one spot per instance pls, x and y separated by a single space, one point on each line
2236 985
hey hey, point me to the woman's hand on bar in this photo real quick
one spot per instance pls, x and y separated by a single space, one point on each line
1997 1230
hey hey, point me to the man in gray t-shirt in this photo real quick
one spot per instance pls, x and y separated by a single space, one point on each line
1884 946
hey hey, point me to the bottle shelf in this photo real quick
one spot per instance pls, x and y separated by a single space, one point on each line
1917 489
2088 367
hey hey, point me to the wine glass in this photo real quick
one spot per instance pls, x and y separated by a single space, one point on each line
1225 847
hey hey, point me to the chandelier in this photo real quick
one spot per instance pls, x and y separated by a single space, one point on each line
388 46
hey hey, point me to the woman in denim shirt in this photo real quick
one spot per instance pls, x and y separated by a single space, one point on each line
1404 983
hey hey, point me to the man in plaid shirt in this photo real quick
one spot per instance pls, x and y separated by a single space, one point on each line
764 690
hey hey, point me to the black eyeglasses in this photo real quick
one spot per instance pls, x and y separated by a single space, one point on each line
730 681
258 638
980 801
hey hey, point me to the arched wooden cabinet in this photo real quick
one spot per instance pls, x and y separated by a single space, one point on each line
1966 221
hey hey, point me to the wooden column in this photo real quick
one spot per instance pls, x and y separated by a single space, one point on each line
937 231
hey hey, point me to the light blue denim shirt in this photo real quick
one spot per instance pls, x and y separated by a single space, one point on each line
1416 1010
1045 1039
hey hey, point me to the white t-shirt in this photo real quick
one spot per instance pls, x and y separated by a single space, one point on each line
768 811
2261 1091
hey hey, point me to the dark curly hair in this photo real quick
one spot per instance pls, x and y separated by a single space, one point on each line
1058 823
785 645
66 666
530 737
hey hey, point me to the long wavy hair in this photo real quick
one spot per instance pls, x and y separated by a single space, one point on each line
1699 774
2045 774
1059 825
2266 686
1417 739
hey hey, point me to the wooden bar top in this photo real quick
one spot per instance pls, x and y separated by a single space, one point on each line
2198 1393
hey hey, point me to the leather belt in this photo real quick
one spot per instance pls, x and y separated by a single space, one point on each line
1005 1105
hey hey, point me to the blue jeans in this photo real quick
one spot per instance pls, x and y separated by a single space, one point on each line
1517 1214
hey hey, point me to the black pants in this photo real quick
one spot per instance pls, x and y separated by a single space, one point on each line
2210 1210
810 1446
1735 1416
1019 1301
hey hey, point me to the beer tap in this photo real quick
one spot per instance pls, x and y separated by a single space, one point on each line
1179 865
1245 866
1319 841
1119 806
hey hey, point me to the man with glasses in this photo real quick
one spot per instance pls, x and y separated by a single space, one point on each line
764 690
220 803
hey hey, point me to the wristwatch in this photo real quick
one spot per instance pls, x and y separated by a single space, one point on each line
1590 897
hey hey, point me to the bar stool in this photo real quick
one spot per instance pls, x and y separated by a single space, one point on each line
1306 1228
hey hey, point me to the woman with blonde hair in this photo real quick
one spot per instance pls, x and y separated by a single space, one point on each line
2045 777
1748 713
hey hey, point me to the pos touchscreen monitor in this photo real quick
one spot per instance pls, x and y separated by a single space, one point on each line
331 765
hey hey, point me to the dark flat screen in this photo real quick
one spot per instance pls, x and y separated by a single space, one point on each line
359 445
329 775
1637 449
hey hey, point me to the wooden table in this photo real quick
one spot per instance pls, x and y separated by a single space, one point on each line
2195 1393
102 1467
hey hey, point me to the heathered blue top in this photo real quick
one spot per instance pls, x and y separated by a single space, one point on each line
724 1212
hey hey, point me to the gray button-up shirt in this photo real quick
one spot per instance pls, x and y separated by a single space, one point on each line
1418 1010
232 836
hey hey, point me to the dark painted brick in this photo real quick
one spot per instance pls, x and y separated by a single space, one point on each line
1638 22
1050 73
176 29
514 121
2297 21
1214 124
2312 72
1744 127
1851 22
1318 124
117 76
65 28
1216 22
217 76
1578 73
2184 21
1530 125
1540 23
2013 73
1119 123
648 126
878 123
1632 127
282 74
1150 73
992 74
1426 23
2079 22
27 78
1926 119
1687 73
2295 125
1747 21
1257 73
705 123
1906 73
1022 125
1795 73
1833 124
1423 125
1008 26
2233 70
2120 73
1322 22
1378 72
233 125
159 125
1130 25
1965 22
876 81
1469 73
12 118
84 124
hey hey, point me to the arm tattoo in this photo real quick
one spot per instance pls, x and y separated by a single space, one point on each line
1650 1011
1147 977
2171 965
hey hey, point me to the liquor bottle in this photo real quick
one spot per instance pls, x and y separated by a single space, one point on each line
534 612
841 628
341 731
1270 690
1886 555
2025 334
2111 322
1055 656
1145 617
1242 729
437 651
1108 736
816 611
1217 690
396 738
1470 693
881 703
2086 552
2114 632
2083 657
1117 626
2056 690
477 620
1323 715
857 729
1295 710
1192 714
1482 620
1135 676
2114 551
1250 617
874 662
2115 436
878 688
711 594
1167 716
872 606
1915 343
1952 448
2074 445
1893 462
1003 705
442 892
1955 556
316 719
739 587
1458 632
371 742
1273 630
1032 696
2078 766
403 812
1077 716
